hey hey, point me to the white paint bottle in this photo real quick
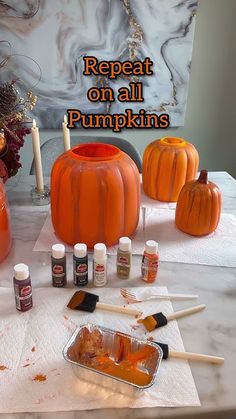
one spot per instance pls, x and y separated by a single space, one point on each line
100 265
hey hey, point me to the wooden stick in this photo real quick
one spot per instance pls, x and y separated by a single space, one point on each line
185 312
119 309
196 357
174 296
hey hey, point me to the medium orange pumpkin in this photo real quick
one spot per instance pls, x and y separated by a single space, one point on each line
167 164
5 228
198 207
95 195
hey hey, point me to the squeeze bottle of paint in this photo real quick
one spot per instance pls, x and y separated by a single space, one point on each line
123 261
150 261
80 265
22 287
100 265
58 260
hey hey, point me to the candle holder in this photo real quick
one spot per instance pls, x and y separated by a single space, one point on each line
40 197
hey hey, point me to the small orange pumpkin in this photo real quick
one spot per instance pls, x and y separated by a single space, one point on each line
198 207
95 195
167 164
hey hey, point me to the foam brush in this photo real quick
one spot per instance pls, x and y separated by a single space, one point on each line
159 319
86 301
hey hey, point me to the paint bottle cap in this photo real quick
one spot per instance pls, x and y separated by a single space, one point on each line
100 251
80 250
21 271
151 247
58 251
125 244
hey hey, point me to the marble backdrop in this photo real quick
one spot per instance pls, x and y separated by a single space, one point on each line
49 38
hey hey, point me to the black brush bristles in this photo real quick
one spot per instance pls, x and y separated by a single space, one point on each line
83 300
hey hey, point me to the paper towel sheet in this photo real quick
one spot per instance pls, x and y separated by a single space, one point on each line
217 249
32 344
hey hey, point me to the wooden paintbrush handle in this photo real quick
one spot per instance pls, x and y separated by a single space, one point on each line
185 312
119 309
196 357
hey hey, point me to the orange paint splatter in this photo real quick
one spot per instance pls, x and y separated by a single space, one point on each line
33 349
40 377
3 367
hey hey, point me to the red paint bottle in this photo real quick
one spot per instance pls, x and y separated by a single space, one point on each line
22 287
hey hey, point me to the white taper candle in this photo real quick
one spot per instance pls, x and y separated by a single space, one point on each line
37 156
66 134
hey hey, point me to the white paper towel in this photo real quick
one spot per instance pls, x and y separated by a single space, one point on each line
217 249
32 344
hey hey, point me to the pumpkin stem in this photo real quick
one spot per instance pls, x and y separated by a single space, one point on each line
203 177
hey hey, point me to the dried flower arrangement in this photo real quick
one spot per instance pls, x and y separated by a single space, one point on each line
13 119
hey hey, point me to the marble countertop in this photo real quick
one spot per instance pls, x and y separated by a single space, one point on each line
216 287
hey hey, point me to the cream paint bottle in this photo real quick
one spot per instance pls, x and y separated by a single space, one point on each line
100 265
123 261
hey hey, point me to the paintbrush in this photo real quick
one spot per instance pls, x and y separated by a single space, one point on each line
167 353
86 301
159 319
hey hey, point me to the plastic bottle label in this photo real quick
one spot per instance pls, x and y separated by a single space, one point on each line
80 273
23 297
149 268
123 261
59 272
99 274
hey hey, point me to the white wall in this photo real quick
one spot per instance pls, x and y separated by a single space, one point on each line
211 109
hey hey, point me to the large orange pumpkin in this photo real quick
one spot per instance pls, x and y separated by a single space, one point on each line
167 164
95 195
198 207
5 228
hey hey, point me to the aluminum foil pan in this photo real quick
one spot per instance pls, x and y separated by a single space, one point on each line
113 359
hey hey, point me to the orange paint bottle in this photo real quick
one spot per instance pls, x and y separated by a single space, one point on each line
150 261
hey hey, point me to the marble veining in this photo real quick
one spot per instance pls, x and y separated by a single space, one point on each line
56 35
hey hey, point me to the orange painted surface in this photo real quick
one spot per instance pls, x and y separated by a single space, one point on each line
123 370
5 228
95 195
167 164
199 207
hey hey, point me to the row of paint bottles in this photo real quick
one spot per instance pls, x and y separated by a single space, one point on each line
80 265
149 267
150 259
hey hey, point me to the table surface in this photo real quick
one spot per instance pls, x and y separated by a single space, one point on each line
216 287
